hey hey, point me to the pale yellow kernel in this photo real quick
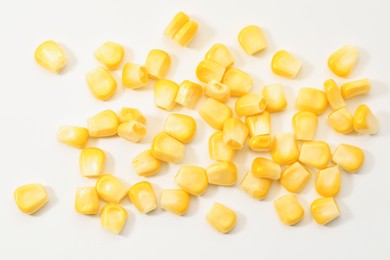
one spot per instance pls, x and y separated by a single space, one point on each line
284 149
252 39
157 64
255 187
167 149
73 136
50 56
217 91
341 121
285 64
316 154
177 22
110 189
181 127
165 92
92 162
188 94
364 121
218 150
324 210
311 100
275 98
132 131
101 83
343 60
129 114
220 54
31 197
260 143
134 75
87 201
175 201
305 125
110 54
259 124
239 82
221 218
250 104
333 94
192 179
235 132
103 124
113 218
215 113
327 181
143 197
222 173
348 157
265 168
208 70
289 209
186 33
295 177
145 164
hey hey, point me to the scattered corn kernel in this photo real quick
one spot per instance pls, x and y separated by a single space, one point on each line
165 92
316 154
143 197
260 143
181 127
111 189
333 94
259 124
222 173
192 179
31 197
87 201
324 210
157 64
288 209
189 93
348 157
101 84
312 100
113 218
134 75
342 61
265 168
167 148
250 104
285 64
364 121
252 39
235 133
221 218
92 162
175 201
208 70
238 81
220 54
341 121
178 21
327 181
215 113
284 149
295 177
50 56
275 98
255 187
305 125
145 164
218 150
217 91
73 136
132 131
129 114
355 88
110 54
103 124
186 33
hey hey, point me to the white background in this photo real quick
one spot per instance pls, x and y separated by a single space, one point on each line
34 103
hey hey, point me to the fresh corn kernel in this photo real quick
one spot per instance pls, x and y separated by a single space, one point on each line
250 104
284 149
110 54
167 148
165 92
111 189
238 81
235 132
129 114
260 143
289 210
87 201
181 127
327 181
316 154
275 98
265 168
364 121
259 124
189 93
103 124
215 113
157 64
255 187
333 94
285 64
295 177
348 157
31 197
192 179
218 150
113 218
50 56
132 131
342 61
305 125
252 39
73 136
186 33
208 70
221 218
312 100
341 121
145 164
176 24
143 197
175 201
101 84
222 173
134 75
220 54
92 162
355 88
324 210
217 91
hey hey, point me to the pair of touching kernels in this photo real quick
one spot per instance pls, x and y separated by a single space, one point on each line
316 154
181 29
238 81
343 60
215 113
110 54
250 104
208 70
217 91
132 131
265 168
143 196
50 56
364 121
175 201
289 209
181 127
324 210
255 187
221 55
73 136
101 83
275 98
312 100
305 125
218 150
188 94
259 124
348 157
260 143
145 164
31 197
235 133
167 149
127 114
192 179
295 177
113 218
284 149
252 39
134 75
222 173
221 218
285 64
103 124
333 94
341 121
110 189
165 92
92 162
87 201
157 64
327 182
355 88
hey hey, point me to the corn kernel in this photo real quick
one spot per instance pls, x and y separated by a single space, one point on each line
222 173
239 82
129 114
218 150
208 70
324 210
265 168
178 21
189 93
157 64
215 113
186 33
87 201
220 54
181 127
143 197
110 189
288 209
92 162
316 154
145 164
342 61
364 121
250 104
295 177
333 94
73 136
348 157
31 197
50 56
221 218
284 149
132 131
260 143
252 39
341 121
255 187
165 92
355 88
110 54
175 201
217 91
235 133
327 181
134 75
275 98
167 148
101 84
312 100
192 179
103 124
285 64
305 125
259 124
113 218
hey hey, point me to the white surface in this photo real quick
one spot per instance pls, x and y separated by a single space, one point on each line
34 103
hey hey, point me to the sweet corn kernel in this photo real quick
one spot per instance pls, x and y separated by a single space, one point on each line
208 70
221 218
110 54
235 133
157 64
305 125
355 88
259 124
260 143
217 91
288 209
312 100
50 56
132 131
348 157
192 179
113 218
129 114
110 189
186 33
178 21
189 93
252 39
134 75
92 162
238 81
143 197
284 149
101 84
165 92
87 201
285 64
181 127
250 104
73 136
341 121
167 148
220 54
333 94
295 177
222 173
218 150
364 121
215 113
265 168
31 197
145 164
255 187
275 98
316 154
103 124
327 181
175 201
324 210
342 61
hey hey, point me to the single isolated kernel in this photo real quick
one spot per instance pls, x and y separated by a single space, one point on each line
134 75
110 54
103 124
265 168
73 136
364 121
181 127
110 189
275 98
239 82
143 196
165 92
218 150
157 64
342 61
348 157
31 197
50 56
295 177
92 162
192 179
235 133
260 143
355 88
208 70
87 201
284 149
113 218
250 104
252 39
132 131
316 154
145 164
285 64
341 121
101 83
188 94
168 149
327 181
305 125
312 100
222 173
333 94
289 209
186 33
324 210
259 124
178 21
255 187
221 218
217 91
129 114
175 201
215 113
220 54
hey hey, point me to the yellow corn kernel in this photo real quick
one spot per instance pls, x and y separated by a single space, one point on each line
222 173
110 54
192 179
342 61
175 201
132 131
181 127
218 150
333 94
113 218
73 136
259 124
31 197
327 181
289 209
275 98
341 121
364 121
165 92
255 187
217 90
50 56
111 189
260 143
285 64
295 177
235 132
312 100
252 39
189 93
265 168
92 162
87 201
316 154
215 113
143 197
178 21
284 149
134 75
355 88
145 164
348 157
208 70
305 125
250 104
220 54
186 33
167 149
157 64
103 124
129 114
238 81
101 84
324 210
221 218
